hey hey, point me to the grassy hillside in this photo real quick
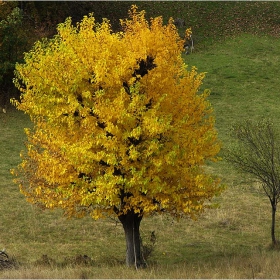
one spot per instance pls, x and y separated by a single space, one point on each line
229 242
211 20
244 84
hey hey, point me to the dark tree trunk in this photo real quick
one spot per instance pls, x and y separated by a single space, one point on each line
131 224
273 215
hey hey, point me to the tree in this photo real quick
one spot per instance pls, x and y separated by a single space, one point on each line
119 125
258 153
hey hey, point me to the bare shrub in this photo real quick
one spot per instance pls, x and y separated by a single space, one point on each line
6 262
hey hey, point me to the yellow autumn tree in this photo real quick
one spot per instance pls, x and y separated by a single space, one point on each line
120 127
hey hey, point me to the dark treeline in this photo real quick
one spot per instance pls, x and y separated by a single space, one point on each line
24 22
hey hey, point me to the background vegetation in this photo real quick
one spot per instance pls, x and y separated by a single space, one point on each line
238 47
24 22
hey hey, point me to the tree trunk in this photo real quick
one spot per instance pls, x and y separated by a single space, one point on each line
131 224
273 212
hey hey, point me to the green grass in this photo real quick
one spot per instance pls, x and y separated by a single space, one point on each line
242 74
229 242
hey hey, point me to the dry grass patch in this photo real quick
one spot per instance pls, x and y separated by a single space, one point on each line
257 265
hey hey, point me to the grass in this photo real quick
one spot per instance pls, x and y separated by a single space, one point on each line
229 242
211 20
243 67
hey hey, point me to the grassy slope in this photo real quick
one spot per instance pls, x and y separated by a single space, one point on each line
230 242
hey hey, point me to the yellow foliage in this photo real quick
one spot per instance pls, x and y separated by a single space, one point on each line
119 122
188 33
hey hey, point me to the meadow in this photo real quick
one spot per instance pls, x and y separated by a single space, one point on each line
232 241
